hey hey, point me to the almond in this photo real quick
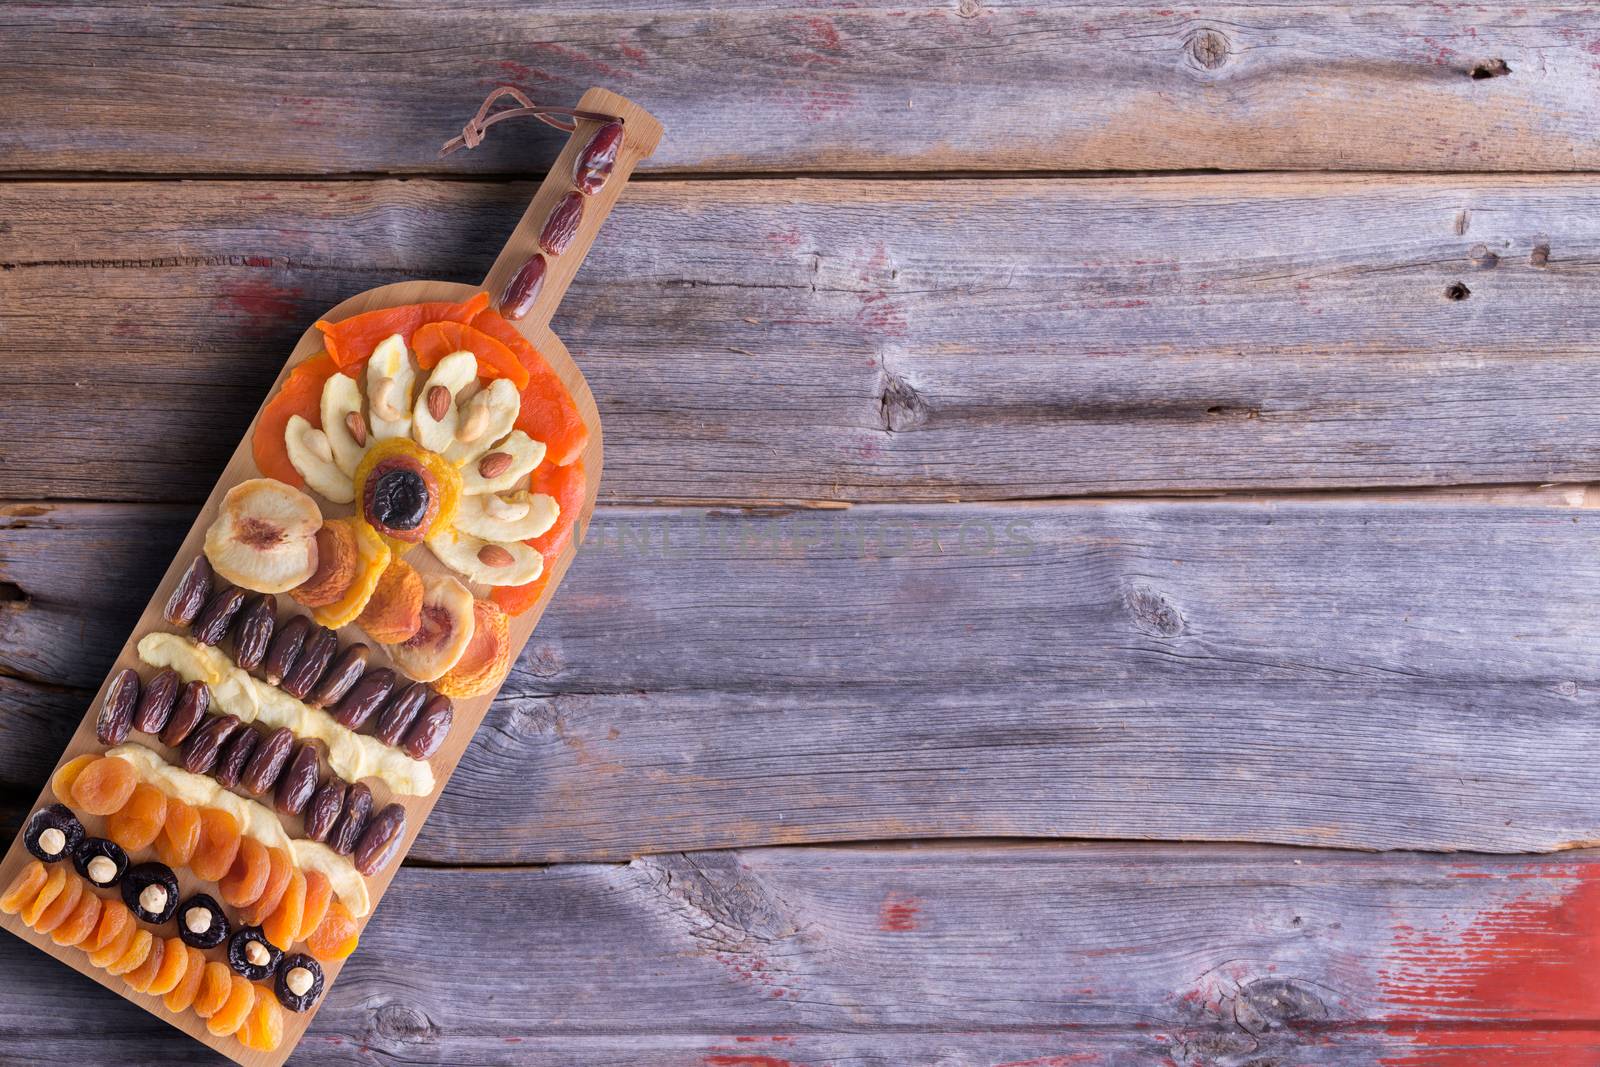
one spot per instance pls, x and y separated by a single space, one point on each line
357 427
438 402
494 464
495 556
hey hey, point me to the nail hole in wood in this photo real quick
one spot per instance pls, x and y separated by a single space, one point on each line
1540 257
1456 291
1483 258
1490 68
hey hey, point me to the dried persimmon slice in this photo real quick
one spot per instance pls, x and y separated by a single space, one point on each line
351 341
548 413
433 342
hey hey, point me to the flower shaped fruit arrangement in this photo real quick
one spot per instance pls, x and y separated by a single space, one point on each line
241 791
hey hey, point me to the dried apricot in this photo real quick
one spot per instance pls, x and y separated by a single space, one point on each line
81 923
61 907
174 962
183 994
336 936
24 887
219 844
283 924
180 834
433 342
140 978
137 823
265 1028
228 1018
104 785
138 952
548 413
300 394
54 883
67 773
277 881
319 892
114 934
246 880
215 986
351 341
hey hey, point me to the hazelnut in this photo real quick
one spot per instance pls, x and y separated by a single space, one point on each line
153 899
52 842
102 871
257 954
198 920
299 981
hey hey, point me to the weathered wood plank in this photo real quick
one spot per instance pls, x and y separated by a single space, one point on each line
762 85
991 956
863 341
1404 673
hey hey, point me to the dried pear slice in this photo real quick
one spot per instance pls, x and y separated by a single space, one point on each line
445 632
265 536
341 398
453 373
390 378
507 517
464 554
484 419
311 454
525 453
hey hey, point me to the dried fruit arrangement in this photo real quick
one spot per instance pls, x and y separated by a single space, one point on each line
288 708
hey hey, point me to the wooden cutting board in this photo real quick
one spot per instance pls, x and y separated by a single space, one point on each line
641 135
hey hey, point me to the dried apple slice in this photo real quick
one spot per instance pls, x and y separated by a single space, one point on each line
523 455
507 517
486 562
483 420
446 629
311 454
453 373
265 536
390 379
341 398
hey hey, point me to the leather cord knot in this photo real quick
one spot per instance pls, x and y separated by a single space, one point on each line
562 118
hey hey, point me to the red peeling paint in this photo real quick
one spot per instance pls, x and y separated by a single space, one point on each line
898 914
262 306
635 54
1532 963
1052 1061
748 1061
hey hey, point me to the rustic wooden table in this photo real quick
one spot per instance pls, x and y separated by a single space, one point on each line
1094 563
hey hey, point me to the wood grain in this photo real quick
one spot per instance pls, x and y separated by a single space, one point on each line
178 88
977 956
861 341
1370 672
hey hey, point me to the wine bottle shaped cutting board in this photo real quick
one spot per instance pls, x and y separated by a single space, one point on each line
395 465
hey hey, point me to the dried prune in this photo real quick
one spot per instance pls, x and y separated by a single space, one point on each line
597 159
312 662
193 703
300 981
562 225
523 289
190 594
327 803
116 711
217 615
257 619
365 697
400 712
340 676
381 840
155 706
53 834
251 955
431 728
261 773
285 648
204 747
201 922
101 861
150 890
352 820
299 779
235 755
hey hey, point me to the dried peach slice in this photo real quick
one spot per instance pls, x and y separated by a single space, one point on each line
336 564
215 985
174 963
394 611
61 781
488 657
228 1018
246 880
433 342
137 823
300 394
180 834
219 844
194 972
140 978
81 923
372 560
24 887
61 907
264 537
351 341
336 936
549 413
104 786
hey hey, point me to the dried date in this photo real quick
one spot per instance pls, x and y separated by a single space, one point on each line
327 803
285 648
193 703
311 663
562 225
352 820
341 676
299 779
431 728
257 619
217 615
155 706
191 593
364 698
262 772
400 713
235 754
204 747
523 289
116 711
597 159
380 840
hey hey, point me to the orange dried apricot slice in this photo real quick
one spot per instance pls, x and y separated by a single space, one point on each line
218 845
246 880
351 341
180 834
114 935
263 1030
228 1018
215 986
23 888
137 823
61 907
336 936
81 923
140 977
282 926
319 893
277 881
174 962
300 394
104 785
183 994
548 413
55 881
67 773
138 952
433 342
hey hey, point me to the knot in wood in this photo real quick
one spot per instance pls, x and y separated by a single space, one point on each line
1489 68
1276 1003
1153 613
1209 48
900 406
969 9
1484 259
395 1022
